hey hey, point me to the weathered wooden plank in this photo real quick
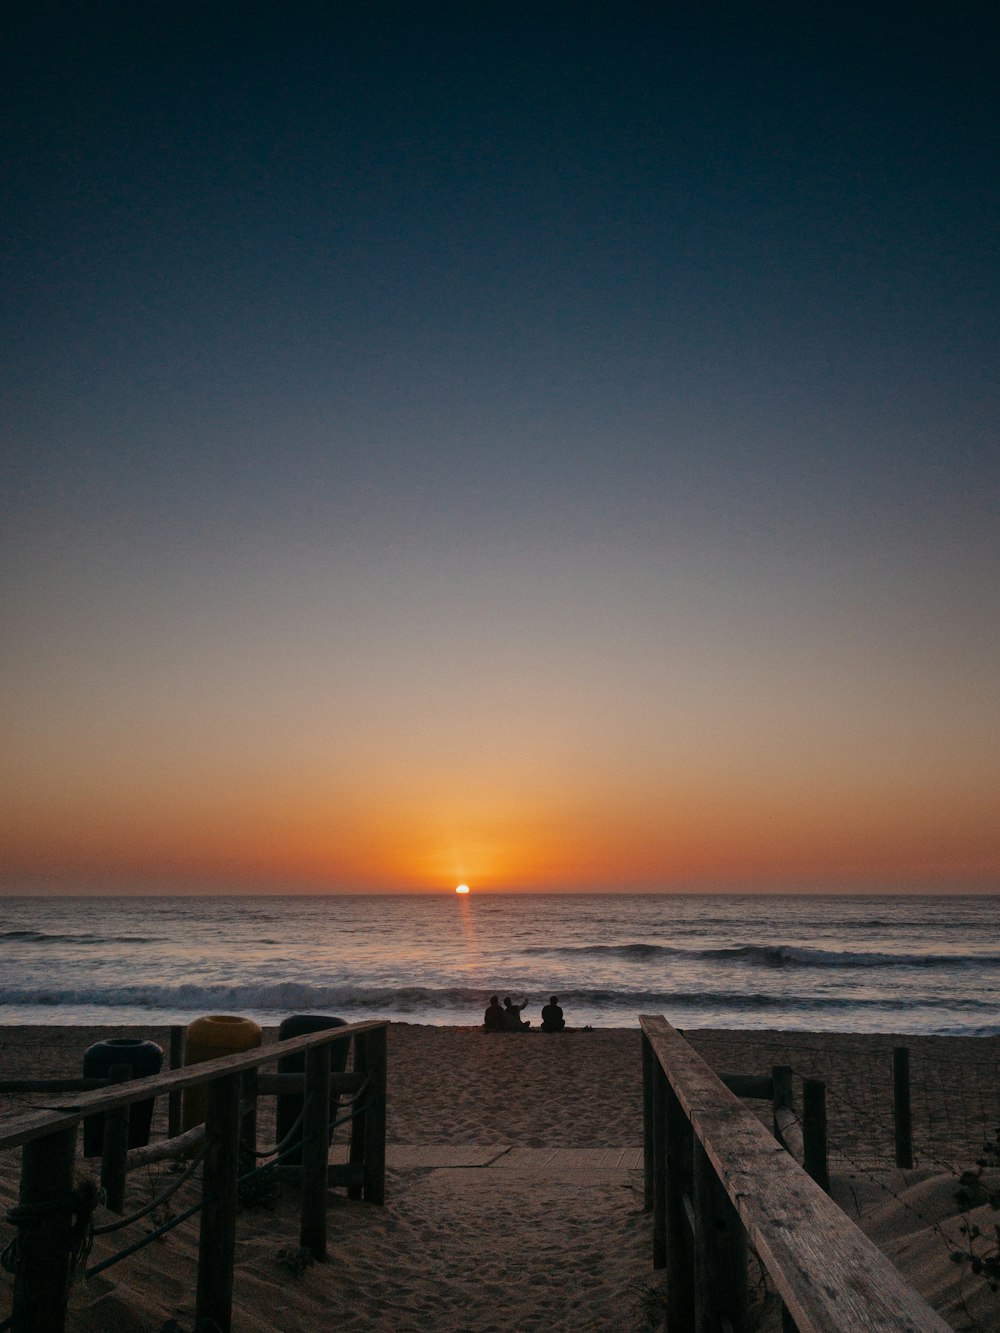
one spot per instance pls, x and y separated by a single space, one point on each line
21 1129
648 1151
359 1132
248 1121
790 1132
114 1149
783 1095
176 1057
831 1277
271 1085
217 1243
582 1159
175 1149
375 1064
720 1253
902 1118
52 1085
661 1198
814 1132
679 1174
44 1220
315 1151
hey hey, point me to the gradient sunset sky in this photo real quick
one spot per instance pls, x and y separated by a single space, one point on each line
545 445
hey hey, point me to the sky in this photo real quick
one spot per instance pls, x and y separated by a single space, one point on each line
547 446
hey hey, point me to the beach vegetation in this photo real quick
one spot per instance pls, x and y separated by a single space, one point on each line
295 1258
981 1247
258 1191
653 1306
652 1302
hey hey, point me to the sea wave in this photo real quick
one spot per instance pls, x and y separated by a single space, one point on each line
281 997
771 955
47 937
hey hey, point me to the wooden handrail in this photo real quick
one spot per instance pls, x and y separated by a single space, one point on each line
829 1275
21 1129
48 1140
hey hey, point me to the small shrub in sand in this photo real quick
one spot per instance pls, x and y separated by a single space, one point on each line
979 1187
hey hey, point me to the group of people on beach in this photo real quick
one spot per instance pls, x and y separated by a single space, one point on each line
507 1017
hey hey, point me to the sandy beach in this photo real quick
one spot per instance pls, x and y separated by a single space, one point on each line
514 1199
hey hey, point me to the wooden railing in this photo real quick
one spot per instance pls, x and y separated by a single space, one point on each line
718 1182
52 1207
804 1136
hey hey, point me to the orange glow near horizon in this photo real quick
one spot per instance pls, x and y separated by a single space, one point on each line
690 835
539 817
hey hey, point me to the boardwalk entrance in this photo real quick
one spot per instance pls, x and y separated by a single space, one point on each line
717 1183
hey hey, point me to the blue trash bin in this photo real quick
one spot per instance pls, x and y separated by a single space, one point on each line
143 1058
290 1103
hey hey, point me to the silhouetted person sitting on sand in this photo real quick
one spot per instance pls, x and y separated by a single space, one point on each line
552 1016
512 1021
493 1019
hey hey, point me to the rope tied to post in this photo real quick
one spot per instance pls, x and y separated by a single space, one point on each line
66 1222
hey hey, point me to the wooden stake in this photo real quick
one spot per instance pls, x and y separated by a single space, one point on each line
217 1245
662 1183
114 1151
41 1282
647 1124
174 1097
901 1114
359 1127
679 1240
782 1096
814 1152
315 1152
720 1253
376 1058
248 1122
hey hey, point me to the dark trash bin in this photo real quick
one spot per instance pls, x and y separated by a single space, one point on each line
143 1058
290 1103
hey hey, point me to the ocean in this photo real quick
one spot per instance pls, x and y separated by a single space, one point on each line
832 963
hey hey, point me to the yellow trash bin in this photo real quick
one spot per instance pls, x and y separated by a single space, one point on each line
210 1038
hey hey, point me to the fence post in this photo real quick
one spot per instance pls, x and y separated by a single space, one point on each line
217 1245
359 1127
720 1253
376 1054
45 1209
315 1151
248 1121
901 1114
648 1148
174 1097
782 1094
814 1154
679 1189
661 1181
114 1149
782 1097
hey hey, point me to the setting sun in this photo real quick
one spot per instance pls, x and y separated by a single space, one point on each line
462 888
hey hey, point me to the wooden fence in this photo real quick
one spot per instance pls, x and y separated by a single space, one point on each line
805 1135
718 1182
54 1209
